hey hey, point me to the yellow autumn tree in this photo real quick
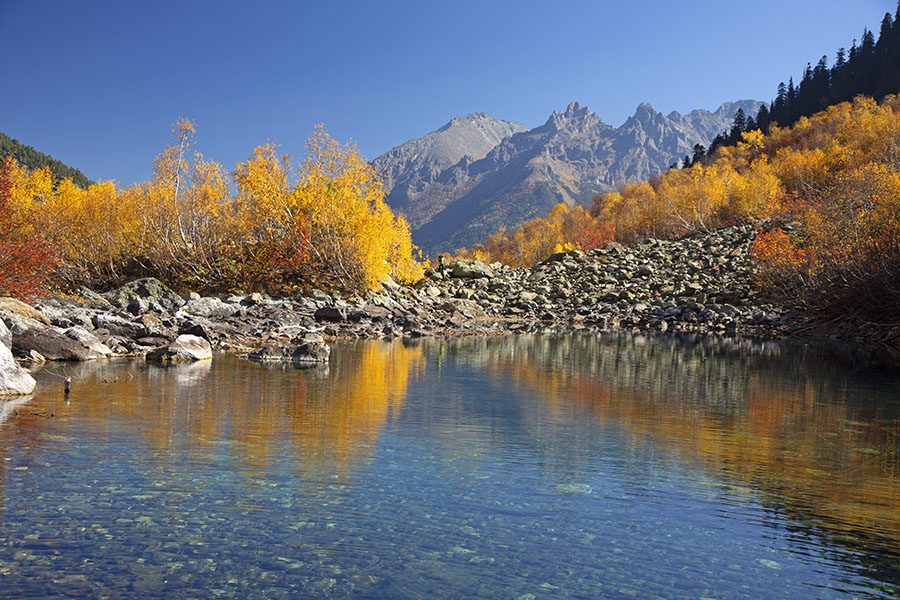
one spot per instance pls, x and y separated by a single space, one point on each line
328 222
187 217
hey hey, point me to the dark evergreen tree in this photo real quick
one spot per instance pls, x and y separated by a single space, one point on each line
871 67
763 118
738 126
699 154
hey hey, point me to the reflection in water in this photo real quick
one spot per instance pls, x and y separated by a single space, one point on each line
519 467
259 410
805 437
10 406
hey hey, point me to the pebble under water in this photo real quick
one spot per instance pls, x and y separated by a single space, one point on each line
518 467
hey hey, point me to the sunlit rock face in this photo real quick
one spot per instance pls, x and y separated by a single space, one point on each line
14 380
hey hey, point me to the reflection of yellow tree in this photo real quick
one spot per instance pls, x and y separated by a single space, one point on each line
360 398
330 418
799 438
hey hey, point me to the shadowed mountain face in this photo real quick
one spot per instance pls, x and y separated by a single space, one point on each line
456 190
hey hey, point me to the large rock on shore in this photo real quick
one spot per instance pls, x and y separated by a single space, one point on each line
5 334
143 292
88 340
49 344
468 269
17 311
186 347
14 380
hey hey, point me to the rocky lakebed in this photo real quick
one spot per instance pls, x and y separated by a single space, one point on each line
702 285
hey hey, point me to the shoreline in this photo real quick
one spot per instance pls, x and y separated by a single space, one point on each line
699 285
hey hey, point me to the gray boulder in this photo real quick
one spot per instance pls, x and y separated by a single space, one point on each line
119 326
209 307
5 334
311 351
51 345
185 347
332 314
14 380
468 269
88 340
148 289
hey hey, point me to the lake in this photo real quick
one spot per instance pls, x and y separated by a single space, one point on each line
518 467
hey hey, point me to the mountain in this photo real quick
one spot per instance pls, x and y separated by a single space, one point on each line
410 168
570 158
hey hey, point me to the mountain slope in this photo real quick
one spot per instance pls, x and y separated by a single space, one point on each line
570 158
409 168
30 158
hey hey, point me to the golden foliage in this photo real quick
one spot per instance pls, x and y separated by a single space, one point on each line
325 225
333 223
563 229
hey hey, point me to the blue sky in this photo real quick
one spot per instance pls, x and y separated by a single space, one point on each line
98 84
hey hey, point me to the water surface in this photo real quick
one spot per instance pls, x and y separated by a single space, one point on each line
519 467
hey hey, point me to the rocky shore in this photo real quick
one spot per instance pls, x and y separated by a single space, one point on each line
702 284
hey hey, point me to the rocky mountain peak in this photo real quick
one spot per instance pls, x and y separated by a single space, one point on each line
460 183
575 117
645 114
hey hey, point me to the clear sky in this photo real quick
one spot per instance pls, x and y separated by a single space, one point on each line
98 84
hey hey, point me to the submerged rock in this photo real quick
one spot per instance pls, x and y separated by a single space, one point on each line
311 351
185 347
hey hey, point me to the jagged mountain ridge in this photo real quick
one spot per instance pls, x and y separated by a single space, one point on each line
570 158
409 168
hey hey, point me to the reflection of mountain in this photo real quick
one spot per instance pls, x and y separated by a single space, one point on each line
810 441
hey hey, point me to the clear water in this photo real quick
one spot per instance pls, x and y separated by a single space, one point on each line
519 467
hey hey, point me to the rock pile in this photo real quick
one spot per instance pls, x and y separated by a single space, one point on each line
700 284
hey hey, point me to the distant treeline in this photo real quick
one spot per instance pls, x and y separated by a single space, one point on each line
870 68
31 159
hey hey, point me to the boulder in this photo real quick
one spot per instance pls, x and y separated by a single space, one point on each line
468 269
51 345
15 307
5 334
118 326
92 299
88 340
148 289
332 314
14 380
137 306
467 308
209 307
185 347
311 351
200 327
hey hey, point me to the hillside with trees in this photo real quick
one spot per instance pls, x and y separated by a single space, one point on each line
818 171
321 222
825 192
870 68
33 160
